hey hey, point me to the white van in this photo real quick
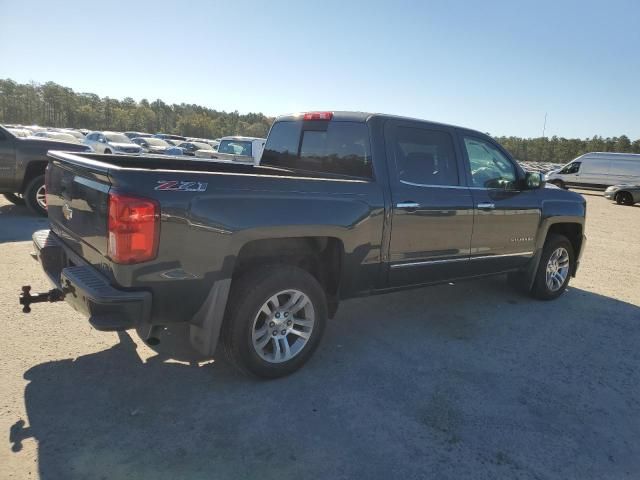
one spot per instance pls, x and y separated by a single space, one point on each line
597 170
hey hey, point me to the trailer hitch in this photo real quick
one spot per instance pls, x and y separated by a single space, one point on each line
53 295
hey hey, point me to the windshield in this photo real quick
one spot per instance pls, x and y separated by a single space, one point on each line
156 142
117 138
202 146
235 147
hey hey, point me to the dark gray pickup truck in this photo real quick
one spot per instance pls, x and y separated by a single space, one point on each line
342 205
22 164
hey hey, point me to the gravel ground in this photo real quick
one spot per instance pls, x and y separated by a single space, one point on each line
471 380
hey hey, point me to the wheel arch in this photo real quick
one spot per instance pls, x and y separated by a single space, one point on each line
321 256
33 170
571 227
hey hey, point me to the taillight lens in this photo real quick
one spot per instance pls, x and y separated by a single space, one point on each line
134 228
318 116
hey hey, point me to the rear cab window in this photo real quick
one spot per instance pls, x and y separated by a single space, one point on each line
317 146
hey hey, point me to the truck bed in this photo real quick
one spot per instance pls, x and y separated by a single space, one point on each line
102 162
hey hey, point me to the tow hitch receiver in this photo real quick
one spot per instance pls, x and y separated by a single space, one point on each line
26 299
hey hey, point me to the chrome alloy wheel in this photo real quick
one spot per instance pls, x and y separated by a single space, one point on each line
557 269
283 326
41 197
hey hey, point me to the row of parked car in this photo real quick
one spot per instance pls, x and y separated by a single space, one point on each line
23 154
232 148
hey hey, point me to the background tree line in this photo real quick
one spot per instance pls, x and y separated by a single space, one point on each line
562 150
53 105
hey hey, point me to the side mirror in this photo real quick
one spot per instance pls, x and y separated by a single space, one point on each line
533 180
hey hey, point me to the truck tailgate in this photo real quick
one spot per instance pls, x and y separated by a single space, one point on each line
77 202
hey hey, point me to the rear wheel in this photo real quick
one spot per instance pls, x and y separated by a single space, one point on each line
34 196
107 151
275 319
559 183
624 198
556 264
14 198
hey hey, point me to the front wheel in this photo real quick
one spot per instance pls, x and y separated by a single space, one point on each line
275 319
35 196
556 264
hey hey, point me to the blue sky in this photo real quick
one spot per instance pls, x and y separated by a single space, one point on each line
496 66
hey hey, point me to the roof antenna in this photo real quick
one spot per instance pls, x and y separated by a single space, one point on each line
544 127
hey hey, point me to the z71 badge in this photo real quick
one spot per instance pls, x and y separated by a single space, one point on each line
178 186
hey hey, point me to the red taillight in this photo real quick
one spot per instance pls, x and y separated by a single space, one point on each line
134 227
318 116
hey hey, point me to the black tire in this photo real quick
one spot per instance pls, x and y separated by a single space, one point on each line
107 151
540 289
14 198
31 196
559 184
249 293
624 198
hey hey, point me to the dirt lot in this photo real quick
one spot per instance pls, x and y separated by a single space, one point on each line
471 380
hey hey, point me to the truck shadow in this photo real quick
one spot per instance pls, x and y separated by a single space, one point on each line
401 384
17 223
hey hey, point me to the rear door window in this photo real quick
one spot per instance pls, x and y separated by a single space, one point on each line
340 148
425 157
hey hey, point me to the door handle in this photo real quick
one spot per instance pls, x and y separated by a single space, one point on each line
486 206
410 206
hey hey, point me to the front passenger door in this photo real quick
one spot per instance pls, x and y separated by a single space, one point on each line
506 214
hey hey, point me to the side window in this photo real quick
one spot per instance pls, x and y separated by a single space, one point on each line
281 148
425 157
489 167
573 167
342 149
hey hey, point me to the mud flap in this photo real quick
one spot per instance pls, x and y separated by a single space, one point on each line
206 323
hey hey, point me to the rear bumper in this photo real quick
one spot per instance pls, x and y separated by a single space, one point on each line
90 293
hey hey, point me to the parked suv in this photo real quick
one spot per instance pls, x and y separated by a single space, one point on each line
112 142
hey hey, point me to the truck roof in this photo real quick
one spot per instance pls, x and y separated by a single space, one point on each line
634 157
347 116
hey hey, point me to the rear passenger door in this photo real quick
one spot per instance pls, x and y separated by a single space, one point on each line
432 212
